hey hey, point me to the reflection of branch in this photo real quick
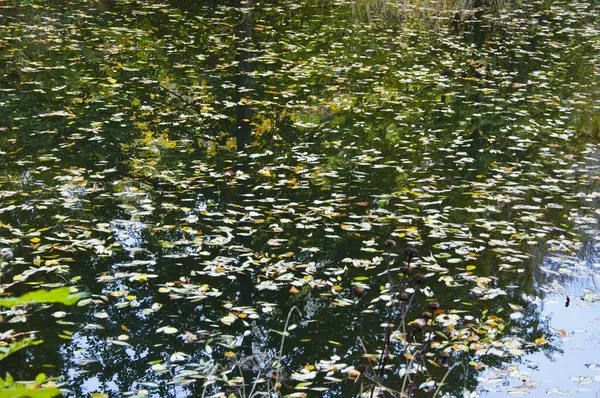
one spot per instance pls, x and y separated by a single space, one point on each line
142 179
176 94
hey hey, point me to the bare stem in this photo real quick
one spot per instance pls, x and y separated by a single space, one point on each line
287 321
441 383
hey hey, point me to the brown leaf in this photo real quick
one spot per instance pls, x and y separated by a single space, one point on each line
191 337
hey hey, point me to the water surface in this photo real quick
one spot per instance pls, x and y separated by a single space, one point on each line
201 169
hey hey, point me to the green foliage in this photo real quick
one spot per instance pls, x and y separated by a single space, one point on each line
16 346
59 295
8 387
11 389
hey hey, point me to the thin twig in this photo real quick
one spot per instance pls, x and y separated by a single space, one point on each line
254 384
243 380
365 350
443 380
282 340
388 333
408 365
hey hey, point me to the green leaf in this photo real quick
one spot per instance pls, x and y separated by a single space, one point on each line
40 378
59 295
29 390
13 347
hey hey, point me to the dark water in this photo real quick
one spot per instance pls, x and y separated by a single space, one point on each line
472 137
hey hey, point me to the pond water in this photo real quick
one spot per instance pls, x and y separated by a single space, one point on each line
206 171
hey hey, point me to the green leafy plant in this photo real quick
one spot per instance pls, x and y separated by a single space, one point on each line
60 295
16 346
12 389
38 388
